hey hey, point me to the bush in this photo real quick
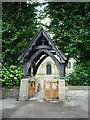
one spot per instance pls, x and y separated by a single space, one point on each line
81 75
11 75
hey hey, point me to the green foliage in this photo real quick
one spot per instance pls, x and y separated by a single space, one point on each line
70 27
81 75
11 75
19 24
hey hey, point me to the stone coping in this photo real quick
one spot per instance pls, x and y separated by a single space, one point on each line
66 87
29 78
77 87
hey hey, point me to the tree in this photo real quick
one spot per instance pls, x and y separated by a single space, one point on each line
80 76
70 26
19 24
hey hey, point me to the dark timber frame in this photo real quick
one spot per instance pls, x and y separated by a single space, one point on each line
39 49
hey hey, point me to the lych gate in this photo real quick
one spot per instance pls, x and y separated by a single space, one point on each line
39 49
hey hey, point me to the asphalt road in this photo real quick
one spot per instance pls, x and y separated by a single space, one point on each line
33 109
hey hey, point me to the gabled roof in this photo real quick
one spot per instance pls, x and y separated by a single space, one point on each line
30 50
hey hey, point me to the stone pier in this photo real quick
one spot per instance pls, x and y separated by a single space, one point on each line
61 89
23 93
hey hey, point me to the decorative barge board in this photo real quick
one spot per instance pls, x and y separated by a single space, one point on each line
38 50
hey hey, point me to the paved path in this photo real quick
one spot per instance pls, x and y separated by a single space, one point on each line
39 95
32 109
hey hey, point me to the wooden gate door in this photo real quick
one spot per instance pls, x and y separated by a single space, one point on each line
51 90
31 88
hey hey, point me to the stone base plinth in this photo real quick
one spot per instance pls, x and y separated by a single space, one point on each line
23 93
61 89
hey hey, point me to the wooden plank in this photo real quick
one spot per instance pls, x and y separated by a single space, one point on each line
31 88
52 90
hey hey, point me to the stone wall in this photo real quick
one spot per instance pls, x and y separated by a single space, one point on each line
6 92
77 92
71 92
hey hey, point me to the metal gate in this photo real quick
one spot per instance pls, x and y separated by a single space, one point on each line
31 88
51 90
